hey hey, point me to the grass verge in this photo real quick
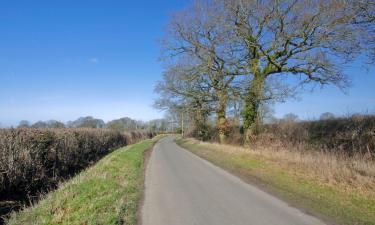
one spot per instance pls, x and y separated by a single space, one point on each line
106 193
302 190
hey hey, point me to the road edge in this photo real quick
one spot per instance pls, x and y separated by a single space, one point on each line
141 202
265 187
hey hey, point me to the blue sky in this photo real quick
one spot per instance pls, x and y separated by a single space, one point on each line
359 97
66 59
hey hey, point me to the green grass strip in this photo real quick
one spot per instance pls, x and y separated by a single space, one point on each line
344 207
106 193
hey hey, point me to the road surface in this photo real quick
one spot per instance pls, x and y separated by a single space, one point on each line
183 189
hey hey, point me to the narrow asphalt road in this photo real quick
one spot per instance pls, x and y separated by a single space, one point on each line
183 189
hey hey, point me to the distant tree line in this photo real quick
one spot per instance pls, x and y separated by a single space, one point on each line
228 60
121 125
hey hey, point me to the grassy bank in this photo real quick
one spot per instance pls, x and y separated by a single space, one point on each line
290 176
106 193
34 161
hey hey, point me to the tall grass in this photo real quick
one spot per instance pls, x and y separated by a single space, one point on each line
338 152
353 174
338 186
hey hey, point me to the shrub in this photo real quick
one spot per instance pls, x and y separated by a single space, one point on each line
35 160
354 135
345 136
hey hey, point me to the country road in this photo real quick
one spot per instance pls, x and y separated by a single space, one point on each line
183 189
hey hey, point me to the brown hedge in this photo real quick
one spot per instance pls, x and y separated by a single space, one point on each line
350 136
35 160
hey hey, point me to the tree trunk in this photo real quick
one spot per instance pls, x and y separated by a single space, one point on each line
200 123
252 104
222 123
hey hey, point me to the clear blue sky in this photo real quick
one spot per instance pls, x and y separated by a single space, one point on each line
66 59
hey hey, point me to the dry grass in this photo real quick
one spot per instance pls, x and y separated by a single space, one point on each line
352 174
335 186
325 166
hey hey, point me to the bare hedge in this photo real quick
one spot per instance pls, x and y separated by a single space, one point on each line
35 160
350 136
346 136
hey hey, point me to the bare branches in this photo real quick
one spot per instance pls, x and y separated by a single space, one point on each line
215 45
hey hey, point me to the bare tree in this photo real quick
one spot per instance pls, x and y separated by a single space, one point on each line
124 124
23 124
199 33
277 45
290 117
86 122
364 19
327 116
183 92
48 124
309 40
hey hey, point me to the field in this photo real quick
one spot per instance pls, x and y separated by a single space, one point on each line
106 193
